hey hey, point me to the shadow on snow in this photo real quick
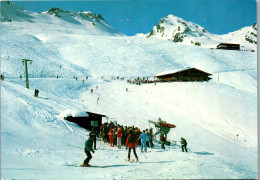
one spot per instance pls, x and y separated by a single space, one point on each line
203 153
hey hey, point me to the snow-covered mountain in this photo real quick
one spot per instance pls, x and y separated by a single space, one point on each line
180 31
176 29
11 12
246 36
92 23
37 143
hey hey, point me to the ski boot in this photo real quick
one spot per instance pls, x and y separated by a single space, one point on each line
85 165
137 160
128 159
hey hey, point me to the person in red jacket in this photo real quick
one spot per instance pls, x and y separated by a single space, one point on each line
131 142
119 135
111 140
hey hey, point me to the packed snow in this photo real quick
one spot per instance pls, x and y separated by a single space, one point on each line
37 143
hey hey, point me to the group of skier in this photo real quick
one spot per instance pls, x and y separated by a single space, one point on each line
117 135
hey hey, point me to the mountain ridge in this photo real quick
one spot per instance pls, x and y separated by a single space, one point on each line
90 21
178 30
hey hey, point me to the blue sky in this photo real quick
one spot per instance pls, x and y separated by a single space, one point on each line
217 16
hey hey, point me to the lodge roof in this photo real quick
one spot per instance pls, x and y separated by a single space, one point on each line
96 114
178 71
77 113
228 43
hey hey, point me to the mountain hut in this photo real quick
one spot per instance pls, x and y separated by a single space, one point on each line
228 46
189 74
87 120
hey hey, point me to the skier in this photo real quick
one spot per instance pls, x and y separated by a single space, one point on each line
119 136
114 136
111 125
151 137
94 134
88 148
106 133
124 136
148 139
143 138
131 142
183 144
163 140
111 140
35 93
98 99
138 134
103 131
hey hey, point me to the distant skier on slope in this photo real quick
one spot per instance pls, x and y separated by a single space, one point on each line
131 142
183 144
36 93
88 148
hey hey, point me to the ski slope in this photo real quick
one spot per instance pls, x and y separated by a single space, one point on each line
37 143
34 134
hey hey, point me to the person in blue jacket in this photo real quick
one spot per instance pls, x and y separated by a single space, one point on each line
143 138
88 148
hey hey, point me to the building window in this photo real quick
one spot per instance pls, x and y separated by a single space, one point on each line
94 123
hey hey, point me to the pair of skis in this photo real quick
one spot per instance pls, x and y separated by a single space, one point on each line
131 161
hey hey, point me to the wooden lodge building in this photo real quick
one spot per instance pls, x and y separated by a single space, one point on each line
87 121
228 46
189 74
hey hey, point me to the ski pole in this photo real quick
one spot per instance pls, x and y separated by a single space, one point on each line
190 150
144 155
75 146
100 142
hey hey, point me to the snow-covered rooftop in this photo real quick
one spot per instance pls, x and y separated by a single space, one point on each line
73 113
175 71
